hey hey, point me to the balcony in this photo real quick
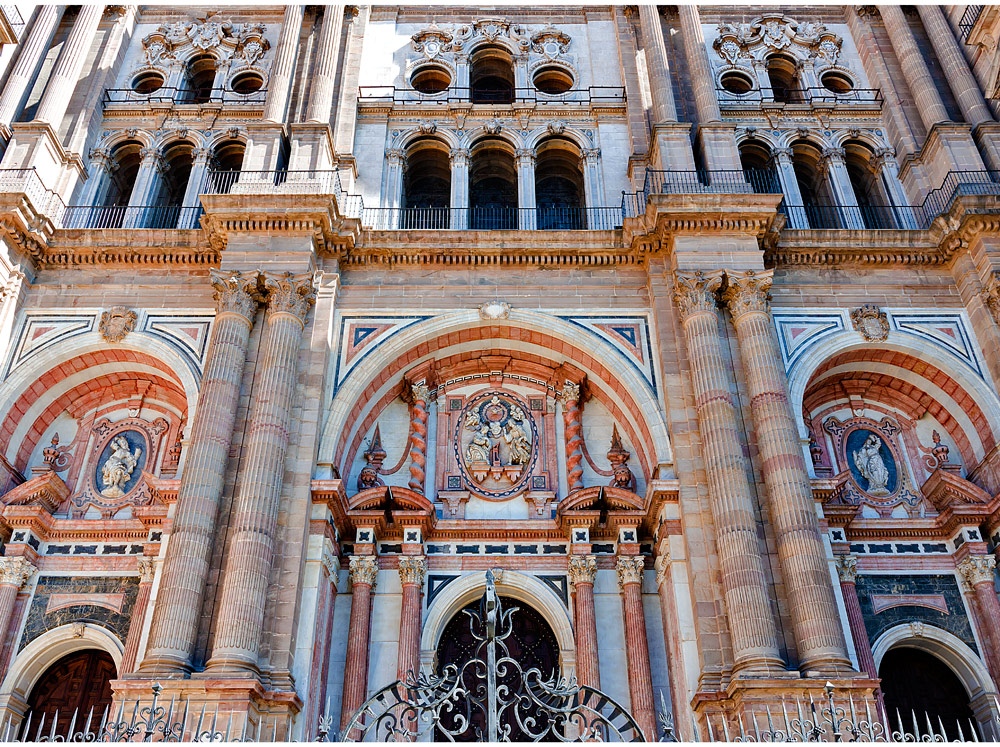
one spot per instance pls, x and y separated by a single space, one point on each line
817 96
27 182
391 96
170 96
132 216
968 20
492 219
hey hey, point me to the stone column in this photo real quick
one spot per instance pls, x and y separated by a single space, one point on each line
980 573
593 183
100 173
671 635
62 82
526 214
279 86
748 607
582 572
843 190
657 65
813 608
243 598
147 570
195 185
363 571
327 590
459 203
885 166
918 77
145 188
418 437
797 217
178 602
14 574
412 569
640 677
324 76
956 68
702 81
847 570
572 416
32 52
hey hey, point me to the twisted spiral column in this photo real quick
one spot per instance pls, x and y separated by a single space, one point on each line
255 507
574 437
418 437
813 607
748 608
640 676
363 572
185 569
582 572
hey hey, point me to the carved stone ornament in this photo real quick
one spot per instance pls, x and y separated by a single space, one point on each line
978 569
412 569
748 292
16 571
56 457
236 293
550 42
622 476
288 293
847 569
582 569
772 32
991 295
374 456
496 445
493 310
116 323
630 568
570 392
331 564
432 41
871 322
147 569
363 570
695 292
493 127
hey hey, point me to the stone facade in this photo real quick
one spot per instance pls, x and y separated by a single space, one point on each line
683 319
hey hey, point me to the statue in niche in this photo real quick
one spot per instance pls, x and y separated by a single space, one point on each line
871 466
117 470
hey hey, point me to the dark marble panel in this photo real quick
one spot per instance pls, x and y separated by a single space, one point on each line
39 621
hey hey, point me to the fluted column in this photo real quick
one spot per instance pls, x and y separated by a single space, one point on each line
255 507
363 571
327 58
62 82
32 52
956 68
572 417
883 163
815 619
412 569
832 161
640 677
525 163
147 569
582 572
14 574
702 81
178 602
145 188
279 86
657 65
102 168
785 167
980 573
195 185
748 608
418 437
918 77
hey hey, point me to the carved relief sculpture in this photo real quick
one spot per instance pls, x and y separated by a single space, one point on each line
117 470
496 440
116 323
871 322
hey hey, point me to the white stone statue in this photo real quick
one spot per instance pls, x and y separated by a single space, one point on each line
118 469
869 463
479 449
517 441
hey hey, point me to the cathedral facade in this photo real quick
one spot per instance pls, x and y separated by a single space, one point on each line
683 322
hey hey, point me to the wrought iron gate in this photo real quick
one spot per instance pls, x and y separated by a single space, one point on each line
471 701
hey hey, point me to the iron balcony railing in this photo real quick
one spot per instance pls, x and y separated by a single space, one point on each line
493 218
172 95
969 18
594 95
812 95
281 181
132 216
860 217
703 181
27 182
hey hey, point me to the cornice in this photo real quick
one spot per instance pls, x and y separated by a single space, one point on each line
75 247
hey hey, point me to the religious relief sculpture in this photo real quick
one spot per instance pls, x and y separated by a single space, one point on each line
871 322
872 467
118 468
496 443
871 463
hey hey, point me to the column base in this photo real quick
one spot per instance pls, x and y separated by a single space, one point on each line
230 666
162 666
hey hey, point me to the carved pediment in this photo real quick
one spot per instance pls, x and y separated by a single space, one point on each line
47 490
773 32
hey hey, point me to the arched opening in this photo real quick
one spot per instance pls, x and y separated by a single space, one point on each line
915 681
866 182
247 82
553 80
430 79
783 79
227 162
127 157
837 82
492 186
758 167
559 186
178 158
79 683
817 199
531 643
200 79
426 185
491 76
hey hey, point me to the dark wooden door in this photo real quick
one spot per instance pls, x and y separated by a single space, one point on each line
79 681
914 681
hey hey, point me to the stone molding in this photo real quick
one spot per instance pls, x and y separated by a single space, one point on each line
662 566
748 292
288 293
331 564
847 569
412 569
582 569
147 569
16 571
235 293
363 570
695 292
978 569
630 568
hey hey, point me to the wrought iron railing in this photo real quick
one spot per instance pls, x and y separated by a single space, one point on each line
810 95
860 217
594 95
493 218
173 95
703 181
132 216
968 21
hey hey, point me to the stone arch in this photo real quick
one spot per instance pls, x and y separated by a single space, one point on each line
520 586
113 139
814 137
953 651
447 136
573 134
170 139
44 651
509 135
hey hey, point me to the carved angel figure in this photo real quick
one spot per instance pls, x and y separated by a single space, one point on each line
479 449
869 463
517 442
117 471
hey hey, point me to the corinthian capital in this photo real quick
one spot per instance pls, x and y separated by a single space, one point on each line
412 569
748 292
847 569
694 292
16 571
991 295
235 293
630 569
147 569
582 569
363 570
978 569
289 294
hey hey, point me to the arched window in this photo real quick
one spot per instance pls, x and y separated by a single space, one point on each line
177 161
426 185
491 76
127 158
227 161
782 75
758 167
917 681
492 186
559 187
200 79
78 682
817 198
866 182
